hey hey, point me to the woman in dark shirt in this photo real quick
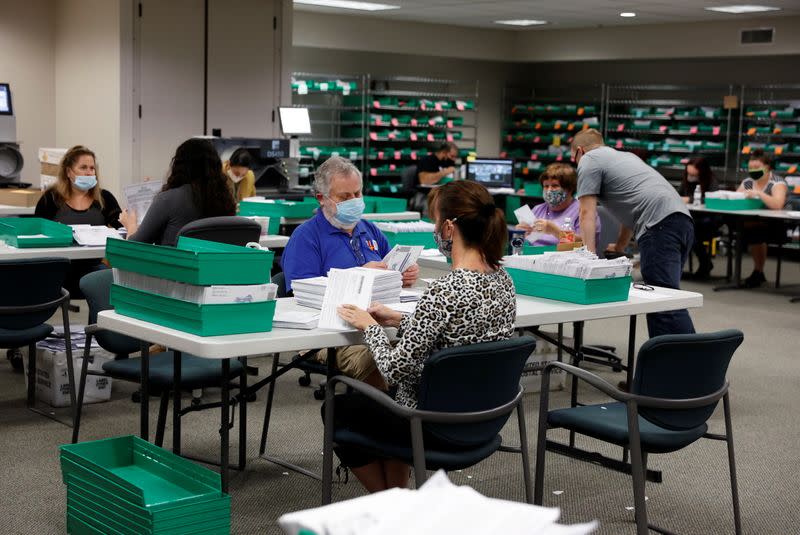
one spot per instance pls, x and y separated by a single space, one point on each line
196 188
77 199
698 174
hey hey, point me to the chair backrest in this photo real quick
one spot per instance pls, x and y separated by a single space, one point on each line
30 282
279 279
96 287
473 378
408 177
683 366
234 230
609 228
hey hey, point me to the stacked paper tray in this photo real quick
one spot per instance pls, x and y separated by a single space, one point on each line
537 249
734 204
193 261
25 232
410 238
127 485
279 208
570 289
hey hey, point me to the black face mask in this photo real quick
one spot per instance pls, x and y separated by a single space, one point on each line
757 174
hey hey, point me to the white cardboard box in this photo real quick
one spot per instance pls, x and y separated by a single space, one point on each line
52 380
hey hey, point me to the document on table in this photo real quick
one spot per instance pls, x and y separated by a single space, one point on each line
140 196
93 235
345 287
402 257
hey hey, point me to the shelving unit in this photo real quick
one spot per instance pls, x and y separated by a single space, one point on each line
667 125
770 120
405 118
540 125
330 99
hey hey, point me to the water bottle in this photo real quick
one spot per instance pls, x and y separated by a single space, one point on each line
567 234
517 241
698 196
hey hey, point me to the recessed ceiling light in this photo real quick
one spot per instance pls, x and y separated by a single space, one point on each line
521 22
348 4
627 14
744 8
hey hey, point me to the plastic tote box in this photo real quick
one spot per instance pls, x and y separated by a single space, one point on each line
127 485
279 208
410 238
383 205
570 289
734 204
26 232
194 261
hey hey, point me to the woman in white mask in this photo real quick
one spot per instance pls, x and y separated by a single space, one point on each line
560 208
241 179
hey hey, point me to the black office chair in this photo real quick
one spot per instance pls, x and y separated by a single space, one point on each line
196 372
234 230
465 396
678 381
30 293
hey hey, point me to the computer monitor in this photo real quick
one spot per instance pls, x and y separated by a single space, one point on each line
5 100
295 121
492 173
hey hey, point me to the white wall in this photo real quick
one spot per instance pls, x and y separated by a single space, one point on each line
343 32
658 41
27 63
87 81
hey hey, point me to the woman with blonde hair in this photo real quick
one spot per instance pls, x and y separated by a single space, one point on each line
77 198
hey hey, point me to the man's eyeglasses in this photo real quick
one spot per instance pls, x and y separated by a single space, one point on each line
644 287
355 245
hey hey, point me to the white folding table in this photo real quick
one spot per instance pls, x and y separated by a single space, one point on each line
531 312
7 210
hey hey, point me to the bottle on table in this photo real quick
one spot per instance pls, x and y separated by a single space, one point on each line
567 233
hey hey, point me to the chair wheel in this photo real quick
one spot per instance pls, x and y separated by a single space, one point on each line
304 380
319 394
15 357
136 397
251 397
196 401
617 369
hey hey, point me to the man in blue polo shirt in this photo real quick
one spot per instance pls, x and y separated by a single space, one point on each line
337 237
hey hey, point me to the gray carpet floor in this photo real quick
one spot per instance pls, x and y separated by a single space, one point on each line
694 498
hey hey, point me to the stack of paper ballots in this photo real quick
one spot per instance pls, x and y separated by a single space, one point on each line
386 288
579 263
202 295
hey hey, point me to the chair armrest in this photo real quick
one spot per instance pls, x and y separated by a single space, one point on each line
642 401
369 391
384 400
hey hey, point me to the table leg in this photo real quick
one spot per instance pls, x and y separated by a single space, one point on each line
737 265
629 369
243 415
560 354
144 402
577 332
176 402
224 425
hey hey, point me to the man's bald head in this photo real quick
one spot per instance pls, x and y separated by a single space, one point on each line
587 140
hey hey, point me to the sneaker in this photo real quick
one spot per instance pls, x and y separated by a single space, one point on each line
755 279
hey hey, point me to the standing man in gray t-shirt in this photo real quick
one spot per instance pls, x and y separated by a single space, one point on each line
648 208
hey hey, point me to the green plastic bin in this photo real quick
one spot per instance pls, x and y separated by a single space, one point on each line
280 208
202 320
537 249
19 232
734 204
383 205
570 289
410 238
194 261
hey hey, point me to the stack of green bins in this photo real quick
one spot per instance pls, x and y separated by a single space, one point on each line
127 485
24 232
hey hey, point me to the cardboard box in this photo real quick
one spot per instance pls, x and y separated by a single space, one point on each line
20 197
52 379
49 161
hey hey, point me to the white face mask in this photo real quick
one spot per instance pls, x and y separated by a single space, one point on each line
236 179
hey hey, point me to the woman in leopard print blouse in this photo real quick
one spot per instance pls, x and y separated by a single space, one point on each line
473 303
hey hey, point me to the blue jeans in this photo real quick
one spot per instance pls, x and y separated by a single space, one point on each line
664 249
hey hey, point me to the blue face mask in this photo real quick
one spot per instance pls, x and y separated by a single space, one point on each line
85 182
554 197
349 212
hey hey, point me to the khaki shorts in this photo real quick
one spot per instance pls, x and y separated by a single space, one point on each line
352 361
